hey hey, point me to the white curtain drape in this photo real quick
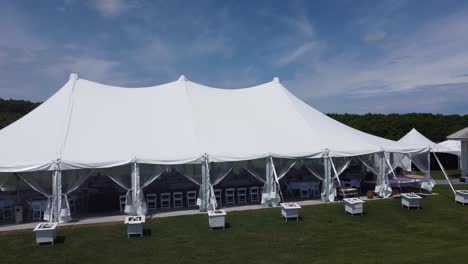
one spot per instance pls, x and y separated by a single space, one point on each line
280 168
196 174
269 171
406 162
122 176
258 168
423 163
4 177
379 164
315 167
70 181
218 172
42 182
148 173
321 168
338 166
283 166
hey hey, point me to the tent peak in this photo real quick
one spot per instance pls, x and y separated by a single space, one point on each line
73 76
276 80
182 78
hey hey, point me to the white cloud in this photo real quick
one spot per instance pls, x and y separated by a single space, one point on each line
299 42
109 7
295 54
434 54
303 26
376 36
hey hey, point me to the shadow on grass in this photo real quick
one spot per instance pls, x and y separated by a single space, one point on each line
292 220
147 232
356 215
226 226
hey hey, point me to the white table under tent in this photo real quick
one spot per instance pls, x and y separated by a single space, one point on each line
142 136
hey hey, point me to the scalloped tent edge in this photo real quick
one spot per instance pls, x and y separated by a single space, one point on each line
90 125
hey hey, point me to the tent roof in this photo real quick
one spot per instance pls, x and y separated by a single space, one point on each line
459 135
92 125
454 145
415 138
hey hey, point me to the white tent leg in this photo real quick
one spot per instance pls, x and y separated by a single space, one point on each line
337 176
59 194
56 203
136 190
53 210
269 183
382 187
205 194
276 185
328 194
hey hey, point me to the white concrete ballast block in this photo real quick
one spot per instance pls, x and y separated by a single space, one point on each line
354 206
410 200
290 210
216 218
45 232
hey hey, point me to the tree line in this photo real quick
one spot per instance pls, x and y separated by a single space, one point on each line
12 110
436 127
392 126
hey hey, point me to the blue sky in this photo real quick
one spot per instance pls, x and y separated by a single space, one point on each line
339 56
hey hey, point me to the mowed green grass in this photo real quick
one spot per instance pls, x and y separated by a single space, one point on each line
386 233
438 174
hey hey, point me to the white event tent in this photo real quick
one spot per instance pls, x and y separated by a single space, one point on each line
133 135
415 138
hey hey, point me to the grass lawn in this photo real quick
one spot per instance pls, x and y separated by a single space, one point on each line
438 175
386 233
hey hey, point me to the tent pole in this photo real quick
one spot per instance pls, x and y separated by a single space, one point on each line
429 167
393 172
269 179
276 179
382 175
136 197
327 179
56 195
59 194
53 210
337 176
445 174
205 184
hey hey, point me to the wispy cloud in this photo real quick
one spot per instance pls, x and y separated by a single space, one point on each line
376 36
295 54
444 98
368 52
432 55
109 7
299 42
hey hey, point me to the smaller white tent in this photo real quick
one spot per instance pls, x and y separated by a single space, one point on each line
415 138
422 162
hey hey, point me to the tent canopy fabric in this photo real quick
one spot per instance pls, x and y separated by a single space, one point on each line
91 125
454 145
415 138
